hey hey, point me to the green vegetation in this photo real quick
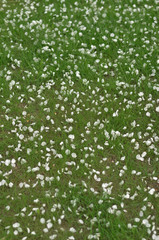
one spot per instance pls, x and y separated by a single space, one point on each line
79 117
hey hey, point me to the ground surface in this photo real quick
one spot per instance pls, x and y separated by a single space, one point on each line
79 120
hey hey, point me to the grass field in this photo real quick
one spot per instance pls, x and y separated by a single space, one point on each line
79 120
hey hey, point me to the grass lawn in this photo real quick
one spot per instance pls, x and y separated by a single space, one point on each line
79 120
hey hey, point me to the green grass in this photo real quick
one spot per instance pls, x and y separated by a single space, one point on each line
79 135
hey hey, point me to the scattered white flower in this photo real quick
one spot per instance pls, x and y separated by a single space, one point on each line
74 155
72 229
24 113
157 109
49 225
52 237
16 225
15 232
21 136
146 223
80 221
42 220
48 117
137 219
7 208
155 237
71 136
30 129
152 191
